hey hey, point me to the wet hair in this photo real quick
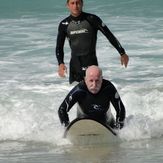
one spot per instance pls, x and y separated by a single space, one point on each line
69 0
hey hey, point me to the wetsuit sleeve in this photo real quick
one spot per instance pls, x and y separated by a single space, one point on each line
97 22
60 43
118 105
67 104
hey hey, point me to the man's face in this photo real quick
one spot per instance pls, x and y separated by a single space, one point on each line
75 7
93 82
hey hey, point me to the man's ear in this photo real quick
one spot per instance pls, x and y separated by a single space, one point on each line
67 5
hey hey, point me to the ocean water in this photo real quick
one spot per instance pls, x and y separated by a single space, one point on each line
31 91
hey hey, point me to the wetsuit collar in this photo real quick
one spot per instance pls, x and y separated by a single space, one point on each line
78 17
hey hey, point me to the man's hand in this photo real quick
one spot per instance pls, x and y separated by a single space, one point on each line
119 124
62 70
124 60
66 123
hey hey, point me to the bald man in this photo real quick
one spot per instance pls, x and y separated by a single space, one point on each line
93 96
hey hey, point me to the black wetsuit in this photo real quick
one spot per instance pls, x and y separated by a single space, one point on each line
93 106
81 32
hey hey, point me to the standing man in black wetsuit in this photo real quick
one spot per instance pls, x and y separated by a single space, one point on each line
93 96
81 30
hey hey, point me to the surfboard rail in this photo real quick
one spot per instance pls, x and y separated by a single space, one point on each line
85 118
88 131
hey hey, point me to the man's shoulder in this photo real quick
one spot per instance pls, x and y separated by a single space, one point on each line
79 89
93 19
107 83
90 15
65 21
82 85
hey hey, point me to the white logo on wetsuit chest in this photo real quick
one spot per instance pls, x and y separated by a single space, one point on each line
65 23
79 31
96 107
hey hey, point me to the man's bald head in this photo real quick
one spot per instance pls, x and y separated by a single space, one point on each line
93 79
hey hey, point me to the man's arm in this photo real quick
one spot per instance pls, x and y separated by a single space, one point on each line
119 107
67 104
63 116
62 69
60 43
114 41
97 22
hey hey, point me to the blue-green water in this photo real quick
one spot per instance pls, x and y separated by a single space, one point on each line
138 8
31 91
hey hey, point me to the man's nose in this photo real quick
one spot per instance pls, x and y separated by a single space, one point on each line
76 3
94 84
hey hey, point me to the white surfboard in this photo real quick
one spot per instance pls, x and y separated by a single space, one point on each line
89 132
